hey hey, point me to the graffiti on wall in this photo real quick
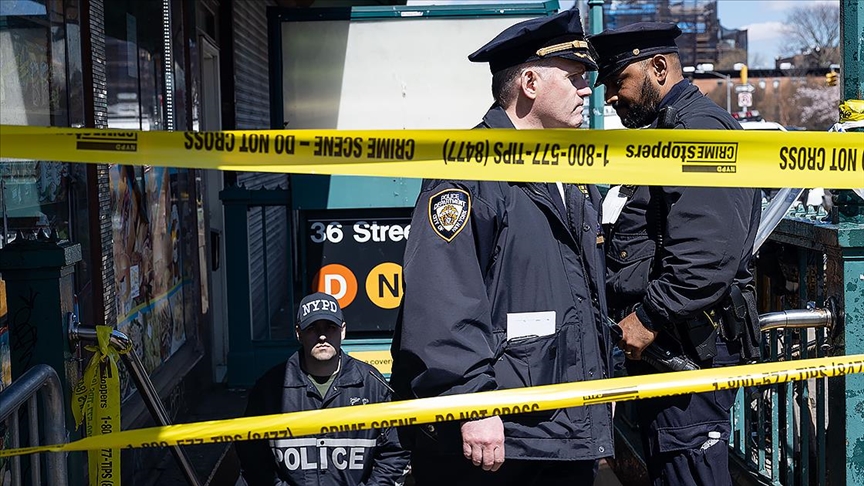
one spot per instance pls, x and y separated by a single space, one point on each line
26 93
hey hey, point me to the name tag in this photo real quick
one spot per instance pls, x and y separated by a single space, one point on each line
528 324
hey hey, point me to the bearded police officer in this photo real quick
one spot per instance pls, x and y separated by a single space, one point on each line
504 286
319 376
679 258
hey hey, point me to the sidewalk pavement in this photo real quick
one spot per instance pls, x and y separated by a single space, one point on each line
605 476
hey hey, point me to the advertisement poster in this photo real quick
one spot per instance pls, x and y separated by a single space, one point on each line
5 379
149 271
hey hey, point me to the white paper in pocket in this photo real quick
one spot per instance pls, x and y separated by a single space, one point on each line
525 324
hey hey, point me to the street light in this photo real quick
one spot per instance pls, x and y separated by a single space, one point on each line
709 69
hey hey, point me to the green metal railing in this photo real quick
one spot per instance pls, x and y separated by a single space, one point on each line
808 432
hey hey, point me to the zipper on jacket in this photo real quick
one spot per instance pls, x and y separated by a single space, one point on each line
562 218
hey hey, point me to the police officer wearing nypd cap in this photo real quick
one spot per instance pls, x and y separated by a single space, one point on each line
504 288
318 376
679 258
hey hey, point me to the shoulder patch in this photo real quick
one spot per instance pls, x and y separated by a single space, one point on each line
448 212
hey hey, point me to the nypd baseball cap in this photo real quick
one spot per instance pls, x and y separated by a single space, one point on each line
316 307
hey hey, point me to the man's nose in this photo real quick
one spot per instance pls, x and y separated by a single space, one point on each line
583 84
611 95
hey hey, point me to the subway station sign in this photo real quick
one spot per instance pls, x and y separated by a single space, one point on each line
355 255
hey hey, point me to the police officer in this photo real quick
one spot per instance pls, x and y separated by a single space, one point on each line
317 376
504 286
679 259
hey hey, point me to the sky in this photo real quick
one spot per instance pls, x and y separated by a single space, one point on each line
763 20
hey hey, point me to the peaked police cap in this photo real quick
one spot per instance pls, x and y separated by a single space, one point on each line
559 35
617 48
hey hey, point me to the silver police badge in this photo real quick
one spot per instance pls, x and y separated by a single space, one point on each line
448 212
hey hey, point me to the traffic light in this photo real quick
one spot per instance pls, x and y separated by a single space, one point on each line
831 79
744 75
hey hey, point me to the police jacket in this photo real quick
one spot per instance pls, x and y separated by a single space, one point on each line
361 457
488 258
675 252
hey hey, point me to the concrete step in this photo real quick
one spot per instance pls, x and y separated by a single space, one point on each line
214 463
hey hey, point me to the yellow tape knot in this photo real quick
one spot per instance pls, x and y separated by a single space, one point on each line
852 110
104 360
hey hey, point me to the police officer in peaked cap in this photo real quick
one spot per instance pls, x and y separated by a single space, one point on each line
504 287
680 267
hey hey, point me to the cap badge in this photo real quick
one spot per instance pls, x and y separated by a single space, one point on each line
448 212
635 52
576 44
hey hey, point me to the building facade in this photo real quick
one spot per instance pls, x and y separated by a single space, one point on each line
703 41
151 239
124 64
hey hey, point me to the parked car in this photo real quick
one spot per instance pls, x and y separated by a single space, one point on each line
762 125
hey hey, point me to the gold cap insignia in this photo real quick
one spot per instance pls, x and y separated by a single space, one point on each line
576 44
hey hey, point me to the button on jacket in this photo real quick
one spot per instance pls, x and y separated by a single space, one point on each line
369 457
515 255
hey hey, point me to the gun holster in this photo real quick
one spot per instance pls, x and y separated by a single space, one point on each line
701 335
740 322
751 338
733 315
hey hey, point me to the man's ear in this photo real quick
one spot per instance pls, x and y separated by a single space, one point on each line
297 333
528 82
344 328
659 67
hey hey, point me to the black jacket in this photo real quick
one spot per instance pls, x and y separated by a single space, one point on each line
365 457
514 254
706 235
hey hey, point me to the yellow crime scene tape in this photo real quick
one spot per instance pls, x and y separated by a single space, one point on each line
97 398
715 158
461 407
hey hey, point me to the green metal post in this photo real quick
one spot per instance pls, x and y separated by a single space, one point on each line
853 276
597 100
853 286
39 277
247 359
852 39
852 87
848 206
40 287
235 200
